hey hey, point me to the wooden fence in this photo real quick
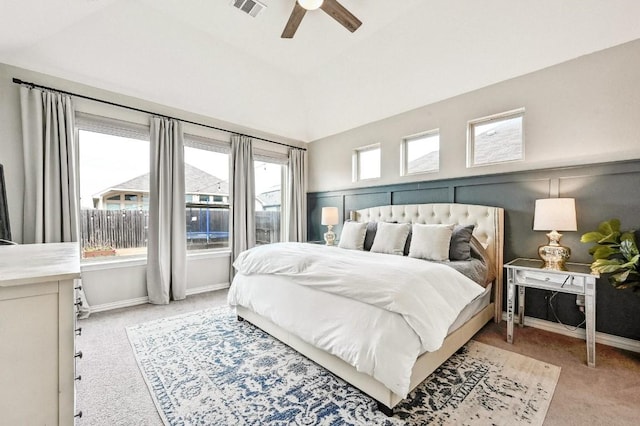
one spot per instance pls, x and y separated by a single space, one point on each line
267 227
114 228
120 229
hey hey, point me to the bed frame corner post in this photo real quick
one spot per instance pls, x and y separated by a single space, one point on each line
384 409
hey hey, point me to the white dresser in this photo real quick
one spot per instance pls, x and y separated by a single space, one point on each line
37 327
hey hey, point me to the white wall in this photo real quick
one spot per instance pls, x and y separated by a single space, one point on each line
105 287
580 112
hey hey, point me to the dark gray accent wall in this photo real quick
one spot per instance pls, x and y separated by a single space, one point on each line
602 192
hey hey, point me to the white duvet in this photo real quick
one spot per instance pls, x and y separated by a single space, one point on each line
378 312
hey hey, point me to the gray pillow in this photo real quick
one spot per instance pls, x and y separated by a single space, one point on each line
370 235
479 252
460 247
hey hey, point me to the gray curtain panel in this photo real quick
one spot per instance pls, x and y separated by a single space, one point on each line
296 197
50 167
242 222
50 213
167 234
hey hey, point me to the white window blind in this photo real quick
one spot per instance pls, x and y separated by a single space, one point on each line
112 126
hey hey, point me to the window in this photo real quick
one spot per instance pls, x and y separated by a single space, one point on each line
114 189
268 179
496 139
366 162
421 153
114 175
206 175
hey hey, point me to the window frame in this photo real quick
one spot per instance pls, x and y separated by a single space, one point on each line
356 162
116 128
133 130
219 147
502 116
276 159
404 152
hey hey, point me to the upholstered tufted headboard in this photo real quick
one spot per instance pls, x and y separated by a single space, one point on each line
488 221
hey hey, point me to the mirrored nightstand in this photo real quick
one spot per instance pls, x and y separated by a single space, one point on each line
577 279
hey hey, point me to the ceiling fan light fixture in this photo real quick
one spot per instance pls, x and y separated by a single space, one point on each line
310 4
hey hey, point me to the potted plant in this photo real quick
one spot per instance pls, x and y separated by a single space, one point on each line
616 253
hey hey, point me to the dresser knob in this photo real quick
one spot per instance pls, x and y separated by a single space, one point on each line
78 302
78 377
79 288
79 331
78 414
78 355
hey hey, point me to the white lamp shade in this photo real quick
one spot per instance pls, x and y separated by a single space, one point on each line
329 216
310 4
555 214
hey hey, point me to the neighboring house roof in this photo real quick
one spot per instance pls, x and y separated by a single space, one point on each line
270 198
428 161
196 182
499 142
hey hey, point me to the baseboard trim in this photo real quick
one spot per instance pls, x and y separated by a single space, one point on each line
119 304
142 300
603 338
206 288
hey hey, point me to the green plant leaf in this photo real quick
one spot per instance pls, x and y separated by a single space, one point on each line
615 253
628 236
613 238
609 226
591 237
610 231
620 277
629 250
604 266
602 252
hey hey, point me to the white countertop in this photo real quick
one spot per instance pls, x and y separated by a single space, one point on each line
23 263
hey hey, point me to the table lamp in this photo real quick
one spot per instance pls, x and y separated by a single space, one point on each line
330 218
555 214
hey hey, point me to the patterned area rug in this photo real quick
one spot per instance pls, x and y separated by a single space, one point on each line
206 368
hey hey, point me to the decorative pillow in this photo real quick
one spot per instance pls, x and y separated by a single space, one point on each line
478 250
372 227
430 242
352 236
407 245
390 238
460 248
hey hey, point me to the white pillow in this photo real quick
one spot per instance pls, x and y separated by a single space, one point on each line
390 238
352 236
430 242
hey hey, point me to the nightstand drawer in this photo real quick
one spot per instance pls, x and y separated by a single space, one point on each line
550 281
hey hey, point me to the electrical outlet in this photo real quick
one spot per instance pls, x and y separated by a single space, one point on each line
580 299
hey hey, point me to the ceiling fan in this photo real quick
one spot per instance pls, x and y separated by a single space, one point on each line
331 7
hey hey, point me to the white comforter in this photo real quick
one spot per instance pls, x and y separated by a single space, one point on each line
410 303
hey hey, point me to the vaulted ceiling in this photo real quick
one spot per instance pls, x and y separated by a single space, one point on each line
206 57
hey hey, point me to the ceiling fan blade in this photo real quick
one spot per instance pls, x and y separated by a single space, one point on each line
340 14
294 21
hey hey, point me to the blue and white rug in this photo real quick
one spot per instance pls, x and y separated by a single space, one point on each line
206 368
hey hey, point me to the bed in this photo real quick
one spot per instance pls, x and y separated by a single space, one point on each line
295 310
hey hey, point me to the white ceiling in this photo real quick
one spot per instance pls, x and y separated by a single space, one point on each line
207 57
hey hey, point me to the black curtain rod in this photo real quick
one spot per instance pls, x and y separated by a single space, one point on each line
26 83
